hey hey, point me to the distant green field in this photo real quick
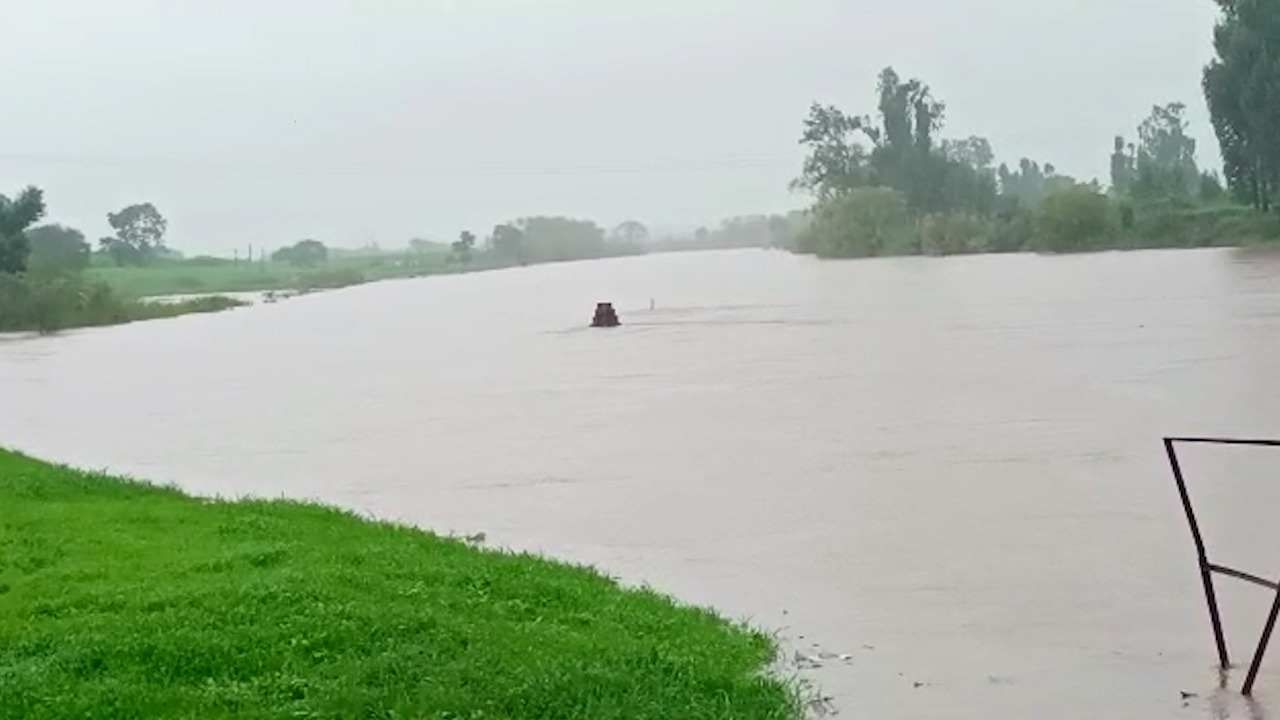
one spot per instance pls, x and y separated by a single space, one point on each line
181 277
124 600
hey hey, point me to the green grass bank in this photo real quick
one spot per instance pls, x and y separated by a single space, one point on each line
124 600
50 304
195 276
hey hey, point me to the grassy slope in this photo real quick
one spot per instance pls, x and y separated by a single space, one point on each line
1208 226
125 600
175 278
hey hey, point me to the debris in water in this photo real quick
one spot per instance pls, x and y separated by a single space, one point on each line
605 316
822 706
1188 695
805 662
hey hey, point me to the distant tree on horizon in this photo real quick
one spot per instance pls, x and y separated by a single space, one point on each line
139 234
631 232
463 247
304 253
508 240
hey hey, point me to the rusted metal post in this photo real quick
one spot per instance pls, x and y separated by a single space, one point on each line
1256 665
1206 576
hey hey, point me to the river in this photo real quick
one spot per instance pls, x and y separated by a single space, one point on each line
949 470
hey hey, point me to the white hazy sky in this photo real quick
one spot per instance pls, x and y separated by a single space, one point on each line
268 121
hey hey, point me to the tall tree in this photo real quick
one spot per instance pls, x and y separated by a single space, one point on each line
837 162
139 234
910 117
1166 159
904 152
1242 88
16 216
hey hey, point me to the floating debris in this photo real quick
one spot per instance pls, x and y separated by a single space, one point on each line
823 706
605 316
806 662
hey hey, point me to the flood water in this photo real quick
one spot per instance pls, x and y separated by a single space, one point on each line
949 469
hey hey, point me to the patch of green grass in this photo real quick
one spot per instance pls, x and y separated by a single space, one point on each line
179 278
52 303
198 275
155 310
123 600
1209 226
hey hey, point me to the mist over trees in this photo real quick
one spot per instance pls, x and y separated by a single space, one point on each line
889 183
304 254
547 238
899 150
741 231
630 232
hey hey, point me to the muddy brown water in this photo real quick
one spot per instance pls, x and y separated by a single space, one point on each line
947 469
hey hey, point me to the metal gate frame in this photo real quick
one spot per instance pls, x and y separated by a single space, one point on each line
1208 569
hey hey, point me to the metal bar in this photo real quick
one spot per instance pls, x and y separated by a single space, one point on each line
1206 578
1262 647
1224 441
1244 576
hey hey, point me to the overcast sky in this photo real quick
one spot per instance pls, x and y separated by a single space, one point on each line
269 121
